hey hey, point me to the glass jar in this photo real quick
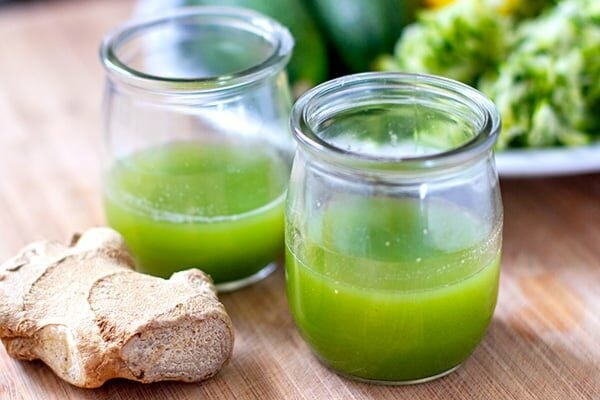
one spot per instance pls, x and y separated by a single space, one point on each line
198 148
393 224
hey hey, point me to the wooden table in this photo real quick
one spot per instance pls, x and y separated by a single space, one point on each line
544 341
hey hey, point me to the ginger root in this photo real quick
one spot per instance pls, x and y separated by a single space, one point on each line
83 311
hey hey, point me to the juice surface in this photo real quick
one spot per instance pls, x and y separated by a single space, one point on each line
393 290
214 206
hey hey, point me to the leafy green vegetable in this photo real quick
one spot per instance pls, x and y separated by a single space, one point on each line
543 73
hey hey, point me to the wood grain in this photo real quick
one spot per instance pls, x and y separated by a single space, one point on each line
544 341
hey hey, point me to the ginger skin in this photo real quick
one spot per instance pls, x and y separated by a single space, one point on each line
89 316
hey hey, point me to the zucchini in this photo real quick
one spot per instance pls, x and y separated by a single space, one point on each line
361 30
308 65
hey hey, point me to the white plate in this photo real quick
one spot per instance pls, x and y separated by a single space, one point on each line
549 162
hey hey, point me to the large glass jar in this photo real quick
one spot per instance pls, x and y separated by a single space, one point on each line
393 224
198 148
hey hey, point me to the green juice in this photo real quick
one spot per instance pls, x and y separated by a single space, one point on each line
214 206
392 290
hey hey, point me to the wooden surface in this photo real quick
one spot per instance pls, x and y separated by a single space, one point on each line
544 341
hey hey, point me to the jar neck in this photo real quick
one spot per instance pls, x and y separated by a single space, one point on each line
191 98
394 177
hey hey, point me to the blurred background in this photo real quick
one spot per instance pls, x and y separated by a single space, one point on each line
536 59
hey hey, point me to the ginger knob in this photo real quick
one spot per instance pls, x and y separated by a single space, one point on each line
84 311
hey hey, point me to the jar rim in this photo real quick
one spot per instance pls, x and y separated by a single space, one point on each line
276 34
481 142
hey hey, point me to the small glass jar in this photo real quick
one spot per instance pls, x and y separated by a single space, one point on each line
198 148
393 224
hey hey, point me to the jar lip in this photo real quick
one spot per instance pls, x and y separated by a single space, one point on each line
479 144
271 30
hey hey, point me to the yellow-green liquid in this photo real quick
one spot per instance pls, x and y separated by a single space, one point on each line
213 206
393 290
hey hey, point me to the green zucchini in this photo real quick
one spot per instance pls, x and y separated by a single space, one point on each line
308 65
361 30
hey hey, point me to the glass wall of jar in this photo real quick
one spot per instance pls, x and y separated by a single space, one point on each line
198 148
393 224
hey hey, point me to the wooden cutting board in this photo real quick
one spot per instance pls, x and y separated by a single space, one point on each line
544 341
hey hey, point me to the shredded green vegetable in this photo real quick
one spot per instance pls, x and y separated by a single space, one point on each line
460 41
543 73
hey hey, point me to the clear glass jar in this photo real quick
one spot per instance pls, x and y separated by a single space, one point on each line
393 224
198 148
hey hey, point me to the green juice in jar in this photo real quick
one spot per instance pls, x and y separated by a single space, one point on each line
216 206
392 289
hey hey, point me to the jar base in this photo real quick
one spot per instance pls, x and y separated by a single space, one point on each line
399 383
230 286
